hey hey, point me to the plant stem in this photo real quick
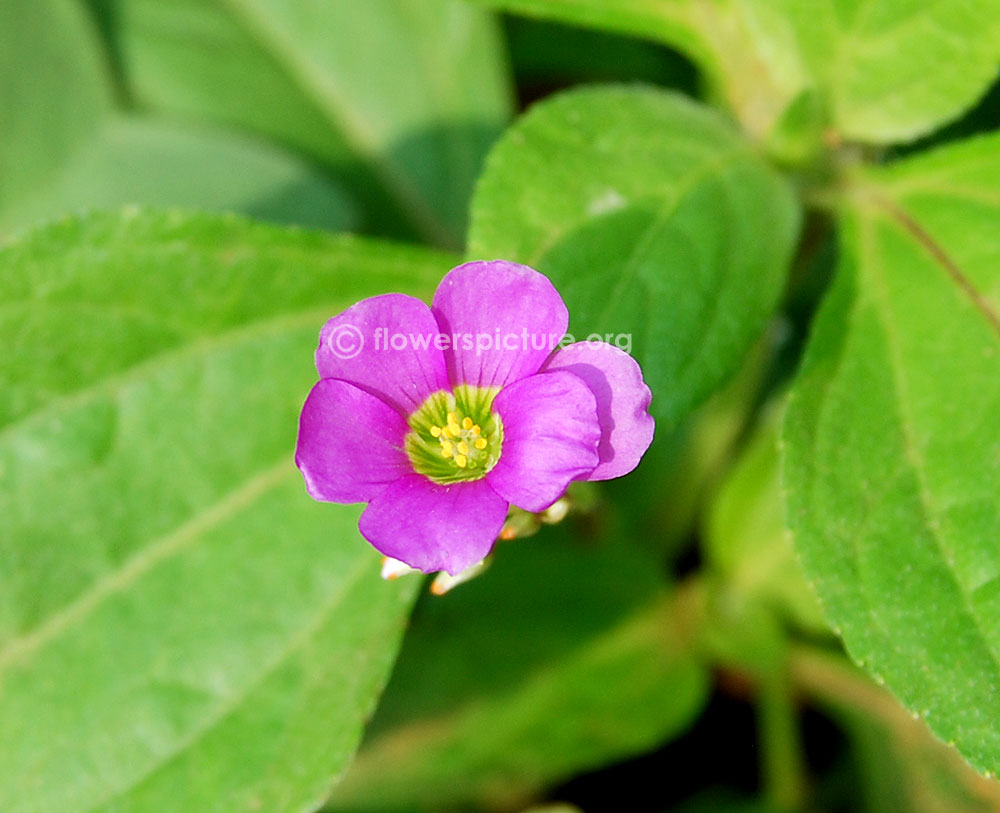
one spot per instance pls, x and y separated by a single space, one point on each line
782 765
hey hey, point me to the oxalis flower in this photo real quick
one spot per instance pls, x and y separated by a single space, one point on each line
441 418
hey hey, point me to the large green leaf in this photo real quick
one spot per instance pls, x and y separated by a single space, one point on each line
53 90
889 71
564 656
402 97
892 460
181 627
133 160
660 226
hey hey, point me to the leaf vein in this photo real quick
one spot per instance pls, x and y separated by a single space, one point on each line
150 556
912 451
205 344
295 643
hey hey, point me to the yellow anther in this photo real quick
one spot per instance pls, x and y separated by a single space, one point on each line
480 443
452 417
477 429
463 447
454 429
436 431
462 460
446 448
446 433
467 423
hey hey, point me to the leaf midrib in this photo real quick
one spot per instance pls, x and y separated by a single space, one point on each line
27 642
714 166
148 557
205 344
940 257
917 465
296 642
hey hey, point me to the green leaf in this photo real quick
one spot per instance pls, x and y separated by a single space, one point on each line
547 55
562 657
747 546
890 70
653 19
131 160
749 59
901 766
892 460
664 231
181 627
664 498
896 69
400 97
53 90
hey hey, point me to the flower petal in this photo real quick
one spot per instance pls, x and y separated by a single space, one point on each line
550 438
622 403
350 443
433 527
504 319
386 346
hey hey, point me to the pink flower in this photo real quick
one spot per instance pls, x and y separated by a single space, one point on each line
441 418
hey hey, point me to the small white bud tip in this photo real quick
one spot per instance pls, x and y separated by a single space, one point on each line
556 512
444 582
393 568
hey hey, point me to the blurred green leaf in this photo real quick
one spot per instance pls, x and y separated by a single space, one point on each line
180 625
657 223
400 97
797 138
564 656
747 545
905 768
893 70
890 70
546 54
661 503
54 90
653 19
754 68
132 160
892 439
901 767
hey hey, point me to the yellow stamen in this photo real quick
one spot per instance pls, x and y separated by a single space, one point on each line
477 429
461 460
454 429
467 423
480 443
436 431
446 448
446 433
452 417
463 447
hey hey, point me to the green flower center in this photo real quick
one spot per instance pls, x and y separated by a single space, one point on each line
454 436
